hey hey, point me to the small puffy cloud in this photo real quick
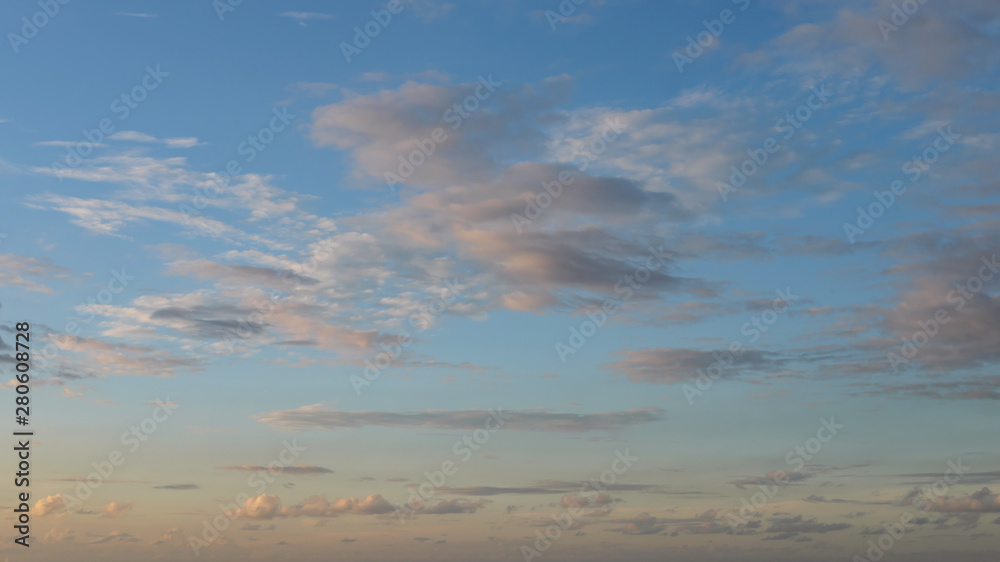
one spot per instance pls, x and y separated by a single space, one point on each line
318 506
267 506
264 506
116 509
50 505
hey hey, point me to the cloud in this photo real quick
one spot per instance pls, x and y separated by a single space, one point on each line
306 15
428 10
178 487
115 537
64 143
317 416
136 15
264 506
771 478
116 509
982 501
147 183
967 477
106 481
119 359
934 266
581 501
641 524
240 321
268 506
109 217
317 506
291 470
50 505
576 19
790 526
555 487
669 365
951 43
20 271
451 506
135 136
813 498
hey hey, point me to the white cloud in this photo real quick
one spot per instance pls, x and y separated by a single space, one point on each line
174 142
306 15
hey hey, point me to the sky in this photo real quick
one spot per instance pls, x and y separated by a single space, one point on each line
569 280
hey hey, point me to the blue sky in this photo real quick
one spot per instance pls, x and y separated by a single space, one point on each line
197 193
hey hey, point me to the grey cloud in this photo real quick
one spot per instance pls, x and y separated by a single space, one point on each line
320 417
300 469
799 525
641 524
667 365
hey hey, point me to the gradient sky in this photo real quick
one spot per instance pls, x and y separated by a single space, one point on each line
229 272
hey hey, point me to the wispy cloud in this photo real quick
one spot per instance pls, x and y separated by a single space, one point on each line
300 469
317 416
306 15
174 142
